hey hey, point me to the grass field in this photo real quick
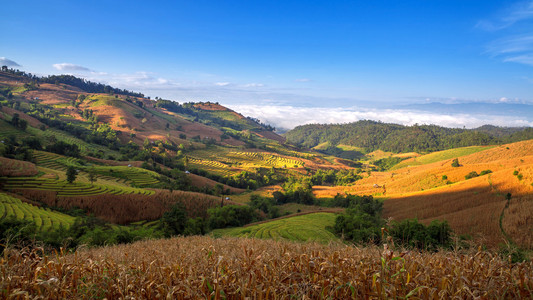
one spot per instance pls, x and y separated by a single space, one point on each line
66 137
44 219
310 227
440 156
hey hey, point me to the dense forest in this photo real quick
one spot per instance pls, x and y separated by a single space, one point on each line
371 135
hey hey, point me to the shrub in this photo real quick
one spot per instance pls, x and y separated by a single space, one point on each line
484 172
455 163
411 233
174 221
231 216
471 175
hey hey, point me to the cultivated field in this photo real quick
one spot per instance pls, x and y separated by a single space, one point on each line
124 209
13 167
44 219
206 268
309 227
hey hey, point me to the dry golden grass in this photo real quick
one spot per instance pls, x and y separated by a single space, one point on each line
230 268
470 206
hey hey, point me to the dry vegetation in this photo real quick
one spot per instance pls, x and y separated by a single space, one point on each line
202 268
16 168
471 206
124 209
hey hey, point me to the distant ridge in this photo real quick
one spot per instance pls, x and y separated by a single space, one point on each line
372 135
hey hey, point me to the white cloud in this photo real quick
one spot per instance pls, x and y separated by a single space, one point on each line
518 12
302 80
248 85
70 67
517 48
8 62
288 117
222 83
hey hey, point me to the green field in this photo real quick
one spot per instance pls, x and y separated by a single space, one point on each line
310 227
440 156
266 159
137 176
7 129
64 188
44 219
67 138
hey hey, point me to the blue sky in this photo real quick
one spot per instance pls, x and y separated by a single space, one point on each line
317 60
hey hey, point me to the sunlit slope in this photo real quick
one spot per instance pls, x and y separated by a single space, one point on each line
471 206
309 227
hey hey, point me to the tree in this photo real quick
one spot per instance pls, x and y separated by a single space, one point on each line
15 120
92 175
71 174
455 163
175 220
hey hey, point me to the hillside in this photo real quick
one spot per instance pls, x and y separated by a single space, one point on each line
430 188
87 165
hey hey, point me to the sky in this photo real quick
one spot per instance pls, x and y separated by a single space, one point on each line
292 62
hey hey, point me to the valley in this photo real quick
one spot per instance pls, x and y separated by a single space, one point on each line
88 170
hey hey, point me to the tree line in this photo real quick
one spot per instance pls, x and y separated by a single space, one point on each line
372 135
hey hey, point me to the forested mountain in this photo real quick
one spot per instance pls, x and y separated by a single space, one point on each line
372 135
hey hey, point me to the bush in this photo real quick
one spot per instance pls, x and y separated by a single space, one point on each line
484 172
266 205
411 233
455 163
358 227
471 175
174 221
231 216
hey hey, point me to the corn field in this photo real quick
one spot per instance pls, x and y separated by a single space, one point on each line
201 267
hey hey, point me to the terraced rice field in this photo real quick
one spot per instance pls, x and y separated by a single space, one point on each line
210 166
64 188
137 176
7 129
54 161
44 219
65 137
310 227
267 159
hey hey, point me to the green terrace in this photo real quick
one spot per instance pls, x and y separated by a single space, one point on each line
44 219
64 188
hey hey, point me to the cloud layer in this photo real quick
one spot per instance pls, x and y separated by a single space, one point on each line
288 117
70 67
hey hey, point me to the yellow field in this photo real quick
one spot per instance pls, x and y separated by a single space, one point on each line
230 268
